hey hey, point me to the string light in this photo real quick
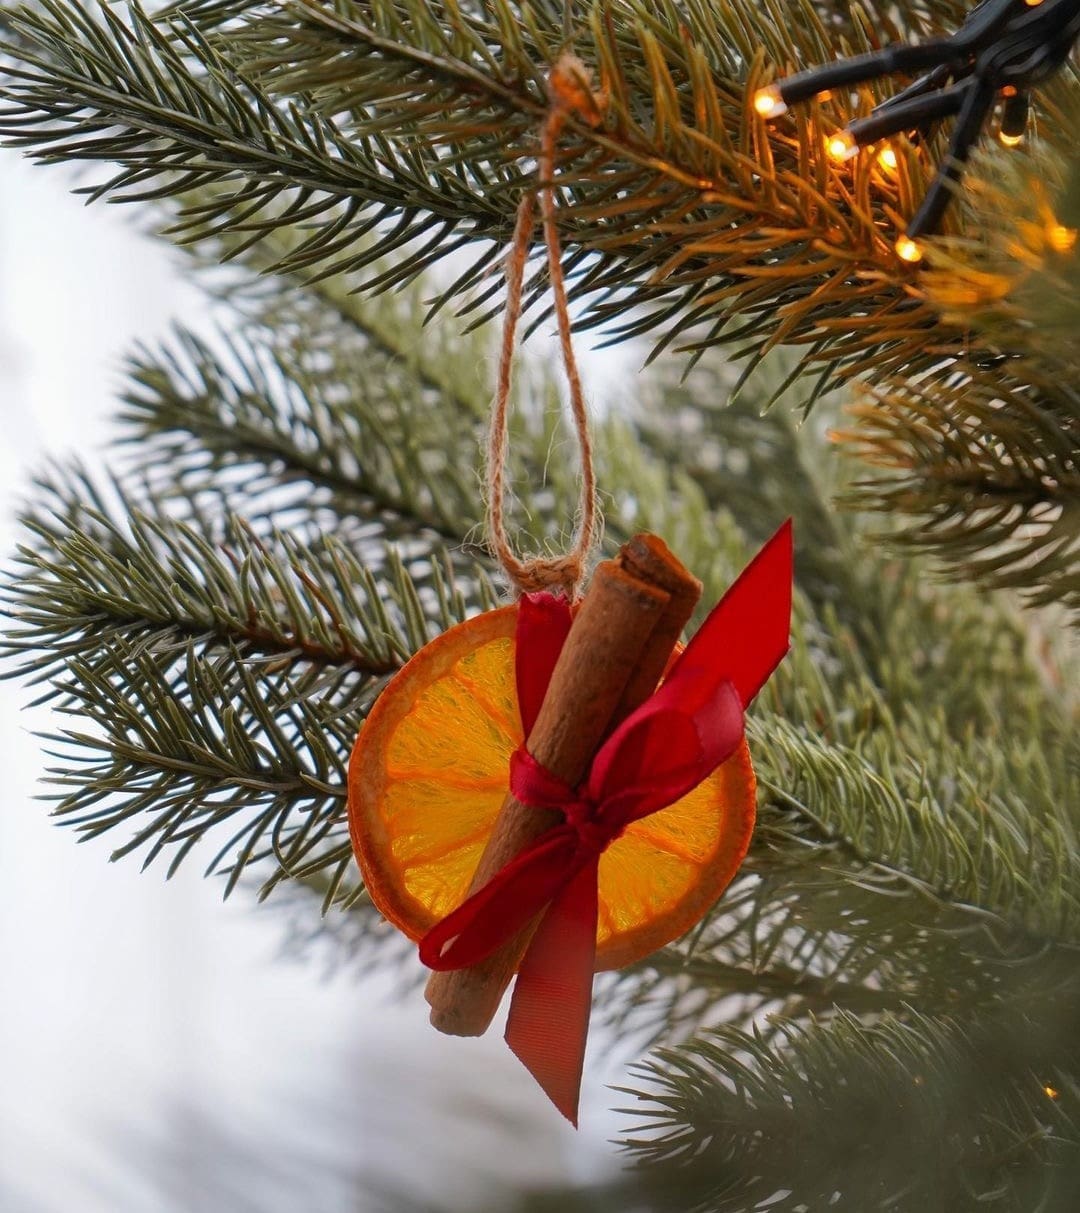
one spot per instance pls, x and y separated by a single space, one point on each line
842 146
908 250
888 159
1002 49
768 102
1014 116
1061 239
1051 1092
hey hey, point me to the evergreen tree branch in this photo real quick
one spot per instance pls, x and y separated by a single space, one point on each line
182 745
980 462
389 319
911 1114
669 180
988 475
250 664
1010 855
176 114
87 573
688 200
803 932
371 426
876 643
729 439
267 418
334 120
1018 284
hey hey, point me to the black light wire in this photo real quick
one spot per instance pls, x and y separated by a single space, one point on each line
1004 47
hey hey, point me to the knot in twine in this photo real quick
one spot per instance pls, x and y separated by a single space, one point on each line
553 574
570 94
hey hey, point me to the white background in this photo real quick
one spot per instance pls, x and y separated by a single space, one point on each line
157 1051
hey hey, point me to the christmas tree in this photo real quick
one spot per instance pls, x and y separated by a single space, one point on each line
880 1012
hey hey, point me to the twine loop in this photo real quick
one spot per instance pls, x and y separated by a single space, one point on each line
570 94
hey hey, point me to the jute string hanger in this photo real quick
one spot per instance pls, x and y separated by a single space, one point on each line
604 742
569 94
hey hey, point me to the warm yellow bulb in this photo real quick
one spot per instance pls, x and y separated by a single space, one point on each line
1061 239
1010 140
908 250
1033 3
842 146
887 158
769 103
1050 1092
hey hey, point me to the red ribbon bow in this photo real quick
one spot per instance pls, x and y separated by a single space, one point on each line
690 725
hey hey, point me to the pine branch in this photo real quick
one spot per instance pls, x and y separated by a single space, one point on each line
88 571
388 319
171 109
184 745
307 422
285 417
333 417
816 923
1011 855
716 228
987 473
249 663
729 438
981 459
637 177
880 644
1018 284
907 1115
690 203
916 852
806 931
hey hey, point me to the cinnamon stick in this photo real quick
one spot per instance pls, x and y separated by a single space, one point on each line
618 646
648 558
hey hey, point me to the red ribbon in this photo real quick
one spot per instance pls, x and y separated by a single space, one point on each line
690 725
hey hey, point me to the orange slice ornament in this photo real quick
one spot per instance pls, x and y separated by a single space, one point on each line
429 775
619 857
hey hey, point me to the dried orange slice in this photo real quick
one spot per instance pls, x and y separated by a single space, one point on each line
429 773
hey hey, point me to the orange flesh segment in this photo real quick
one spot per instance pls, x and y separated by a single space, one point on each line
429 774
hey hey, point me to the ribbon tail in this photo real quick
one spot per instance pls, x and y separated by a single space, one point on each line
503 907
549 1012
747 633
